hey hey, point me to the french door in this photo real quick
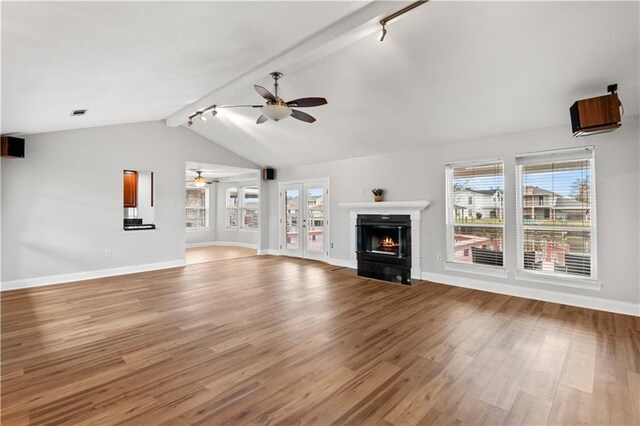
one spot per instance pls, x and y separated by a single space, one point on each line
304 220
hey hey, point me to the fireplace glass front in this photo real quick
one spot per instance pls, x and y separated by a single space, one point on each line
384 247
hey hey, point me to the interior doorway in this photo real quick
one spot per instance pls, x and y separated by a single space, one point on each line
222 212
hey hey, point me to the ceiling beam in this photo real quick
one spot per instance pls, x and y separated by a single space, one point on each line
347 30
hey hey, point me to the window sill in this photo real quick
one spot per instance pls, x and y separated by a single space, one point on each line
249 229
561 281
470 268
198 229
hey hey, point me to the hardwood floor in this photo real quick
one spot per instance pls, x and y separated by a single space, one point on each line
266 340
215 253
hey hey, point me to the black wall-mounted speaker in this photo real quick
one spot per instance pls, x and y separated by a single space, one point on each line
268 174
12 147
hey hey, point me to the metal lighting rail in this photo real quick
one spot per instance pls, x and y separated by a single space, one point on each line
393 16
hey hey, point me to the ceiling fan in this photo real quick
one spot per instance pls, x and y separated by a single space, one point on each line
200 180
275 108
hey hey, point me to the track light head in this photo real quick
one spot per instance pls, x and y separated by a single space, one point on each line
202 117
189 123
214 112
383 33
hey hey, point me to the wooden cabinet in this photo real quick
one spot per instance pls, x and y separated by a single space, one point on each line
130 188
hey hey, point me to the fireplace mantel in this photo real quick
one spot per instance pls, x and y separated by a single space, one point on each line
386 205
412 208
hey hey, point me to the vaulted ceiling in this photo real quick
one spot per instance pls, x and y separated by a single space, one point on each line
137 61
447 71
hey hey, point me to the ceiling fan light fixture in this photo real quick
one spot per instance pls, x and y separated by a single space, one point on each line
276 112
199 180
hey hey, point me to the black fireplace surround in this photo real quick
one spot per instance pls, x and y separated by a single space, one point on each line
384 247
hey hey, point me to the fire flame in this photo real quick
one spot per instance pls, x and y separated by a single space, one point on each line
388 242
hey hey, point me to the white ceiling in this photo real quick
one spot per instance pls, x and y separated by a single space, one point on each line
137 61
447 71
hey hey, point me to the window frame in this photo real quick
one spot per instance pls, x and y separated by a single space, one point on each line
205 208
242 208
548 277
229 209
450 262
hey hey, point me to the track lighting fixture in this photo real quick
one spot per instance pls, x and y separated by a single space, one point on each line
384 21
383 33
202 115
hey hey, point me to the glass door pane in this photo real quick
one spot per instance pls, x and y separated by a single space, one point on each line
315 219
292 216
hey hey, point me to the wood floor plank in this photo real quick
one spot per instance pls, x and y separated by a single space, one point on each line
276 340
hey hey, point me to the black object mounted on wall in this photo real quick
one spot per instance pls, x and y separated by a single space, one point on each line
12 147
596 115
268 174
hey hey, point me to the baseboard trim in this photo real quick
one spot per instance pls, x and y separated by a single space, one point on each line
223 243
88 275
270 252
581 301
340 262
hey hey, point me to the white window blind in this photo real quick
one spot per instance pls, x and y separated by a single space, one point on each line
197 208
475 213
556 209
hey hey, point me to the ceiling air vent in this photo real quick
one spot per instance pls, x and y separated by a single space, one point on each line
78 112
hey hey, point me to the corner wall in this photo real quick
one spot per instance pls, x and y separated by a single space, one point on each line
419 175
62 204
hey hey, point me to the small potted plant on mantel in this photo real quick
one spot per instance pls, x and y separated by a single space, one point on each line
377 194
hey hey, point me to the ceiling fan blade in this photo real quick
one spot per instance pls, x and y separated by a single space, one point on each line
240 106
302 116
265 93
262 119
307 102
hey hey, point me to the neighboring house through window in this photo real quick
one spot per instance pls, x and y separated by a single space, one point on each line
475 213
556 203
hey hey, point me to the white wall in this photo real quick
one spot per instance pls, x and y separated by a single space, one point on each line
419 175
62 204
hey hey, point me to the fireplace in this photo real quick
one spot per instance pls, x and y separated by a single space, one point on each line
384 247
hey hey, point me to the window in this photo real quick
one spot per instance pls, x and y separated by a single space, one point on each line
242 207
556 204
250 204
197 208
475 213
232 207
